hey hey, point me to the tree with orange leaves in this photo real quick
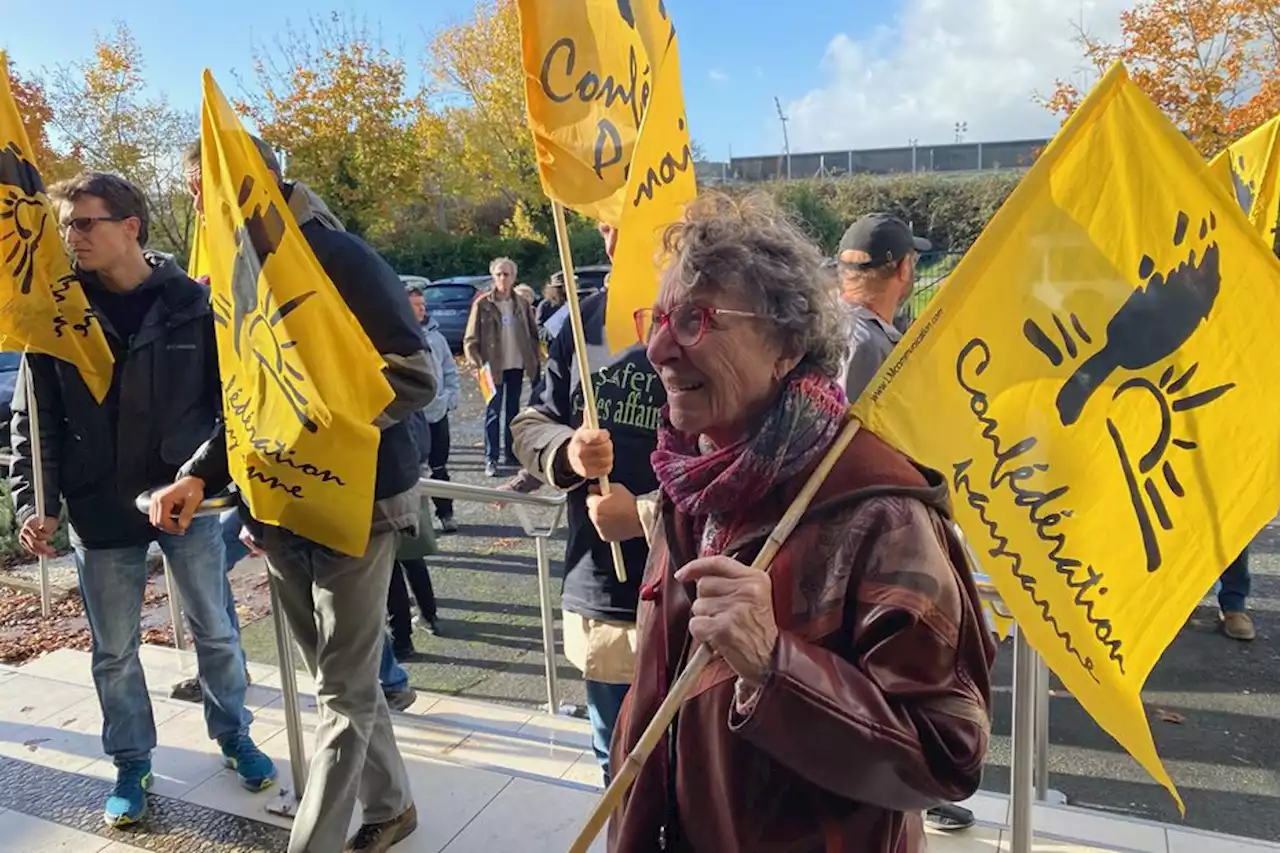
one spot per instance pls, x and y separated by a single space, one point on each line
340 105
105 117
1213 66
476 133
36 114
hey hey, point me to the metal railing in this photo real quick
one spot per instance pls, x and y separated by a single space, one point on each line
286 806
1030 735
540 533
217 505
932 272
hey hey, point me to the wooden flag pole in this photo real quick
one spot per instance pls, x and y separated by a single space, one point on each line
701 656
590 416
37 477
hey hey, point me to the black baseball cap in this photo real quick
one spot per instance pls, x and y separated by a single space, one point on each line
878 239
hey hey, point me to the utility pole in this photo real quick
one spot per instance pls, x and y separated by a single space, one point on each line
786 143
914 143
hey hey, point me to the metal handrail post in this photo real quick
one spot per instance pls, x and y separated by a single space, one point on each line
175 607
1042 730
540 533
1021 782
37 483
548 624
289 690
284 643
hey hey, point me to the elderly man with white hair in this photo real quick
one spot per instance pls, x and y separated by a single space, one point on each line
503 338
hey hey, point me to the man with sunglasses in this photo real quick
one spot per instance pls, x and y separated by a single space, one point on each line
551 442
162 408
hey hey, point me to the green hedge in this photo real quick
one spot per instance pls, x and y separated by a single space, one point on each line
435 254
949 210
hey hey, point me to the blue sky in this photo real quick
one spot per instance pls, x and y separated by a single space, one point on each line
856 73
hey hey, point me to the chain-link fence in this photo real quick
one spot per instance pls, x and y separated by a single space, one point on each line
932 270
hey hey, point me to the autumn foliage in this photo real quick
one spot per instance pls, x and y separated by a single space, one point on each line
33 107
338 102
104 116
475 134
1213 66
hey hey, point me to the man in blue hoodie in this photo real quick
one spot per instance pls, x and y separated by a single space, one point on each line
162 409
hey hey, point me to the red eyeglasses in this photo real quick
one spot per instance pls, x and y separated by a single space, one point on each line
688 323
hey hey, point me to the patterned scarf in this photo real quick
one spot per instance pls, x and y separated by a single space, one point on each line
712 486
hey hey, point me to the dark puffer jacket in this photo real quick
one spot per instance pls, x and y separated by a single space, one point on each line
163 405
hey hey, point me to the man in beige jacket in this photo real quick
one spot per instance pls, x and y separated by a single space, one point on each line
502 338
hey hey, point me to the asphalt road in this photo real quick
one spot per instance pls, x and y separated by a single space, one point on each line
1223 753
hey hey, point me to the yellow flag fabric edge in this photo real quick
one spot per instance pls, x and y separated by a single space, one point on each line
97 381
546 149
1131 730
314 518
637 252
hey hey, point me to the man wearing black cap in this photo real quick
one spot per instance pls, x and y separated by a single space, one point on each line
877 272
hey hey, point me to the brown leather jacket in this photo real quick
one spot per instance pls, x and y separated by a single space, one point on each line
876 708
482 340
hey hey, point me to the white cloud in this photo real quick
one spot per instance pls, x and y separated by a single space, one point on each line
948 61
718 75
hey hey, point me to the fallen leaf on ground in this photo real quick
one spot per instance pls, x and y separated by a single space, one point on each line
1170 716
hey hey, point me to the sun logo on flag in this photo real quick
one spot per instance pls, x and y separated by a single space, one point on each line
1245 189
253 314
1152 324
24 215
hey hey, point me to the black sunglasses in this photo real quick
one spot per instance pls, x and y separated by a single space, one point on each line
85 224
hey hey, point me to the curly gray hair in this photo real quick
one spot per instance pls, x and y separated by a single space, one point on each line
748 245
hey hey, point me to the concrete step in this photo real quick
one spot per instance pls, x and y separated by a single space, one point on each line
524 729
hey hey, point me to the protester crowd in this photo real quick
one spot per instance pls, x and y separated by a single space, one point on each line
866 639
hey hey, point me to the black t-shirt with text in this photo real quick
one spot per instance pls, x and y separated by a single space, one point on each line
629 400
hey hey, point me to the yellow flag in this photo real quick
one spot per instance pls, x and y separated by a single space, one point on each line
660 185
198 266
301 382
484 377
1250 167
588 69
42 306
1102 365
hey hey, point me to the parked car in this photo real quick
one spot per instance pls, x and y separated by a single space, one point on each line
9 362
449 301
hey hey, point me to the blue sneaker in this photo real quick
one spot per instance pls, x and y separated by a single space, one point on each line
128 802
255 769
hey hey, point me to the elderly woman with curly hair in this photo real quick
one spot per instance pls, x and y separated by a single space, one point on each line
850 686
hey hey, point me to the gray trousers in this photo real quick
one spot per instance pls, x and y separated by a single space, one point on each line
336 607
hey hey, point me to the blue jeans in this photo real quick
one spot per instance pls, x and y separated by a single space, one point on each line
390 673
112 583
1233 587
505 402
235 551
604 701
